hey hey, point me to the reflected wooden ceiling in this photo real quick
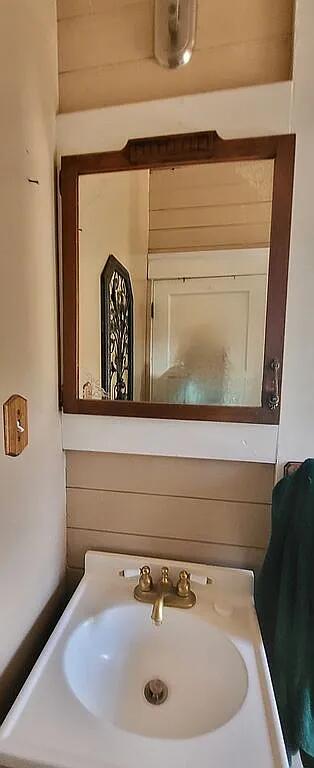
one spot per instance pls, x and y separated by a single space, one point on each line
203 207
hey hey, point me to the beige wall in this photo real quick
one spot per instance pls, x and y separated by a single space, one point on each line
189 509
113 219
220 205
297 413
106 50
32 486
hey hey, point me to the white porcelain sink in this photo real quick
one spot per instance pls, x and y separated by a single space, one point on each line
110 657
83 706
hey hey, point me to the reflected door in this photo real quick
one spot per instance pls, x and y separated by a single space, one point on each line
208 340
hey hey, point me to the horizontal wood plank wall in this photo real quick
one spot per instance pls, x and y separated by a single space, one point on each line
106 50
190 509
211 206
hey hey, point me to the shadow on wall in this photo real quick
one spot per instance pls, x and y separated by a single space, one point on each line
20 666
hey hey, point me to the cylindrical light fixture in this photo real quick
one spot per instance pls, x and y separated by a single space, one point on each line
175 29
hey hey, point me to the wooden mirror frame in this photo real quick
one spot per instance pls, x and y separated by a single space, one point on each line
164 152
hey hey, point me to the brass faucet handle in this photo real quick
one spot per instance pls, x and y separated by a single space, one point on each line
183 585
164 579
145 582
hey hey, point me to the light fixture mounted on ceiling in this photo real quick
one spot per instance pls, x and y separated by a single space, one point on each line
175 28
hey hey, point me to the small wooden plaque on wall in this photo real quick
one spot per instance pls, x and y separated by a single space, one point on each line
15 421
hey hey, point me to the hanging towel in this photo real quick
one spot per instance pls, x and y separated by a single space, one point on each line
285 606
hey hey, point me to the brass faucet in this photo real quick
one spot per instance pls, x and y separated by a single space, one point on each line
164 587
164 593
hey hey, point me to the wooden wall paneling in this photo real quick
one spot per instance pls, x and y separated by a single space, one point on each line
196 478
189 509
69 8
188 198
247 64
224 23
211 206
216 23
249 177
210 216
106 50
122 34
199 552
206 238
226 522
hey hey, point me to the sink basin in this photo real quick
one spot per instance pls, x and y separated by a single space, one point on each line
111 690
110 657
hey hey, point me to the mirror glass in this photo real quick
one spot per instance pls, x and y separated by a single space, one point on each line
173 270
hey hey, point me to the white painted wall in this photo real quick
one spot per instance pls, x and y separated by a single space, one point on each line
32 485
157 437
113 218
257 111
296 433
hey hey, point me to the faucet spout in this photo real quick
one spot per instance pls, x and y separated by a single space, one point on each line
157 612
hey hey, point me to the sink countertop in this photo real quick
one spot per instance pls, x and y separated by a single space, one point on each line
65 718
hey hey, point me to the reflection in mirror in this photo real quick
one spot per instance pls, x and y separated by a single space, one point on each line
173 270
116 299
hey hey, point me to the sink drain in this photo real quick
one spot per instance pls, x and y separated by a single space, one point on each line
155 691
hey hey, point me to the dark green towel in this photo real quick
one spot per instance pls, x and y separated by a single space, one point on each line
285 606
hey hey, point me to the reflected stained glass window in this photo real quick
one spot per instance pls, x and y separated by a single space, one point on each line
116 331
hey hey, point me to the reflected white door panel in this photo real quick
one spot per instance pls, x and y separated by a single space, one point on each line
208 340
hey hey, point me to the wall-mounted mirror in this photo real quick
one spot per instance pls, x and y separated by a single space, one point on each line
186 255
179 272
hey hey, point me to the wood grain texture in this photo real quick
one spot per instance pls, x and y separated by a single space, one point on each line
106 50
15 414
198 510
